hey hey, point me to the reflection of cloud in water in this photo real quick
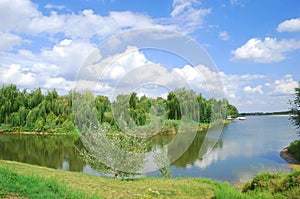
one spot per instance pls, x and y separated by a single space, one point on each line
229 149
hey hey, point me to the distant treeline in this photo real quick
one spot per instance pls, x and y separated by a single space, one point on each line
267 113
34 111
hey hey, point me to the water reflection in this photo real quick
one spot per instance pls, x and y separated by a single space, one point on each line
244 148
60 152
191 155
50 151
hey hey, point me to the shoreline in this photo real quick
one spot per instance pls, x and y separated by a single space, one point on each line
292 162
35 133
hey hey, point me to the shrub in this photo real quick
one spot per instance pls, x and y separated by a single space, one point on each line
274 183
294 149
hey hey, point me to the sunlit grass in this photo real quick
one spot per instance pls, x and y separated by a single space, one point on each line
79 185
111 188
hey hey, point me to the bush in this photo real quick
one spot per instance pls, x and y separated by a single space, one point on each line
294 149
273 183
170 126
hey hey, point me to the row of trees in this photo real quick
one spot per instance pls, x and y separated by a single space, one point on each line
35 111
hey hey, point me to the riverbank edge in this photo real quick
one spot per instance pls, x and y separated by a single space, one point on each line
293 163
201 127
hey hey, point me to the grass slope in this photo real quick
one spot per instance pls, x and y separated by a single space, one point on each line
31 181
111 188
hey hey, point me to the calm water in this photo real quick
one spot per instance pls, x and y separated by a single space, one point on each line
244 149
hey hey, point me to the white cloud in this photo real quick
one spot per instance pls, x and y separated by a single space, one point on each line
52 24
24 17
15 73
38 75
8 41
224 35
283 86
257 89
291 25
68 55
267 51
188 14
52 6
17 14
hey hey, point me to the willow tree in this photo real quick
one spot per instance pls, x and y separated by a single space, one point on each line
107 148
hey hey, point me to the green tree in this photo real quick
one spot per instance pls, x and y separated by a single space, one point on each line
118 154
36 97
103 105
232 111
295 108
173 107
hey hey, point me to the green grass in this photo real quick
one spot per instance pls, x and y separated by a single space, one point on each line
39 182
34 186
111 188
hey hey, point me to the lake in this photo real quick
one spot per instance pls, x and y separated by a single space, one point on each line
243 149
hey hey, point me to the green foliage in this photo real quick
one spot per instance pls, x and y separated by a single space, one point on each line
170 126
274 182
38 112
116 154
35 187
164 164
173 107
23 111
232 111
294 149
264 185
295 108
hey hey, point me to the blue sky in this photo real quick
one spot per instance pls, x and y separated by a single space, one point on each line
254 44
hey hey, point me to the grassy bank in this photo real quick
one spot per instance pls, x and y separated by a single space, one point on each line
31 181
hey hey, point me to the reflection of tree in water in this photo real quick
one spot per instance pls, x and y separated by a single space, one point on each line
43 150
192 153
161 140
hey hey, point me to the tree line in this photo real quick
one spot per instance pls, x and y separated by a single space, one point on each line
21 110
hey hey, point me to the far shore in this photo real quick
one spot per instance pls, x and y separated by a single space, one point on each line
36 133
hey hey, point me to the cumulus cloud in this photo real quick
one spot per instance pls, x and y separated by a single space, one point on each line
55 67
17 14
291 25
283 86
34 77
15 73
8 41
265 51
188 14
68 55
24 17
257 89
